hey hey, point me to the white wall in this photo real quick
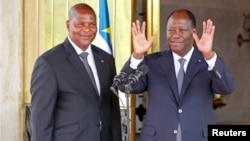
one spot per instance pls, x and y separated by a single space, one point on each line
10 69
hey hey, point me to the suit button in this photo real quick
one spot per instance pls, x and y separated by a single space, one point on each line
180 111
99 125
175 131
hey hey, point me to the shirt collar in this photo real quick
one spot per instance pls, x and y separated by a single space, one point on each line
78 50
186 57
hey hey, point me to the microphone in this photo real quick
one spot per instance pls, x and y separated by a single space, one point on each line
121 78
134 78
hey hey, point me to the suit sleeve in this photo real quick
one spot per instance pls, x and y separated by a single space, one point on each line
222 81
44 94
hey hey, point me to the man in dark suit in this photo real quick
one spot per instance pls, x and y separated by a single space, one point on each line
172 114
66 105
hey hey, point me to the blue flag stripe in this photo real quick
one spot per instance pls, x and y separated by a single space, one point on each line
104 25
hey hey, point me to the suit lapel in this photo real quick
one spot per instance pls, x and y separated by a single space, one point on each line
99 62
195 63
74 59
167 64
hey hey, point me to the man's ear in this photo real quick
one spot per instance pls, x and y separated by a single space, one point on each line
67 24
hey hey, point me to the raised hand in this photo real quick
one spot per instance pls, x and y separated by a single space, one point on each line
205 43
140 43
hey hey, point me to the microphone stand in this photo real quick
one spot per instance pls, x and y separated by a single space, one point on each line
128 88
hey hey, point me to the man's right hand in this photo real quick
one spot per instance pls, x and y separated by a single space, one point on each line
140 43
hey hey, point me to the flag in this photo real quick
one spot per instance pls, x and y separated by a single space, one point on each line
103 38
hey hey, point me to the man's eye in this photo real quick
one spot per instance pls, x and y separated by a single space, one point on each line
183 30
93 25
79 25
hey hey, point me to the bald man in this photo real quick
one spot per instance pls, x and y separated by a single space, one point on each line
66 105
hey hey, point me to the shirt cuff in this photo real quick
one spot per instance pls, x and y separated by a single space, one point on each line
211 62
135 62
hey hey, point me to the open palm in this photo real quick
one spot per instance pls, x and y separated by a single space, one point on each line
205 43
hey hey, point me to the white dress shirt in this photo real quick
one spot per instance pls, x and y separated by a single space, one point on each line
211 62
91 62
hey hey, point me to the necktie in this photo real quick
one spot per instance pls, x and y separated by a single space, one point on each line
180 75
84 56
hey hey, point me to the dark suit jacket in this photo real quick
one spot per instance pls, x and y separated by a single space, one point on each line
193 108
65 106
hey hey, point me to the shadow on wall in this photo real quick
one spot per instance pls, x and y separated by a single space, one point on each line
27 135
